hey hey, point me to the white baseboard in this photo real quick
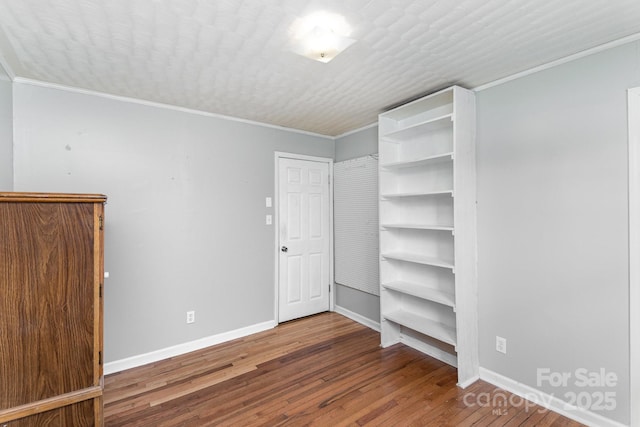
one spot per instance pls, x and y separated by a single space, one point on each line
176 350
358 318
547 401
470 381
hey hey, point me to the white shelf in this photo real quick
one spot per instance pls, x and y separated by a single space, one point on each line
427 188
419 227
422 291
419 129
418 162
423 325
418 259
416 194
441 102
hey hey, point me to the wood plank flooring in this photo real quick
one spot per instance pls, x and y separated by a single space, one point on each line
324 370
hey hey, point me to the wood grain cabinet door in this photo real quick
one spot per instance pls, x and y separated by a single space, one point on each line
51 312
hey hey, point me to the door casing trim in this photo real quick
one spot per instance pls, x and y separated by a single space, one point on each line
634 253
276 222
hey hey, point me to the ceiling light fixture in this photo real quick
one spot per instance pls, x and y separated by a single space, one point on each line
320 36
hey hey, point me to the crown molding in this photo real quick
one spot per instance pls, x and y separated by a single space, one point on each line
121 98
582 54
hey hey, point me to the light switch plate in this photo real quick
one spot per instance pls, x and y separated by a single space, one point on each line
268 202
269 220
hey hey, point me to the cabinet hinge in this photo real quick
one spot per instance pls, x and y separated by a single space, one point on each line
99 358
329 287
101 222
100 290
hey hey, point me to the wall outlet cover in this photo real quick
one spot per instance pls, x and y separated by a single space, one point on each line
501 345
191 316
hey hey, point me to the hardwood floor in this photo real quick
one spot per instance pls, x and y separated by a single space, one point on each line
323 370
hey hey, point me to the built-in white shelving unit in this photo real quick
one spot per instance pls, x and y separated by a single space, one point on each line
428 291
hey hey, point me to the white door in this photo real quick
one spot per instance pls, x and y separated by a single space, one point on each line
303 214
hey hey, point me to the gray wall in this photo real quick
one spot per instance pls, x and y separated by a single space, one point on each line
185 225
352 146
552 222
357 144
6 134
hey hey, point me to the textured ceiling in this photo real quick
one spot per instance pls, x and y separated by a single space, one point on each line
231 57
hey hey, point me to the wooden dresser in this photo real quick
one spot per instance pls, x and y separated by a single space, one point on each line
51 275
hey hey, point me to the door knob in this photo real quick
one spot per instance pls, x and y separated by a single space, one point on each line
284 249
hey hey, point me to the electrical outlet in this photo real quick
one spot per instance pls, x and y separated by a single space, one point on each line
191 316
501 344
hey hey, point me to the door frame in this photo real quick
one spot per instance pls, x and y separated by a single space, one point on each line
634 252
276 221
